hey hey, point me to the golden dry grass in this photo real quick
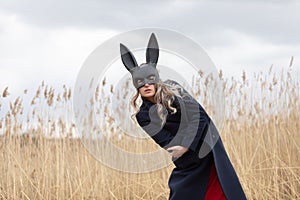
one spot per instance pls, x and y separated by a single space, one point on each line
261 136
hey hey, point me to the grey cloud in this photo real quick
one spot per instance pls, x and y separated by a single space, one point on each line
272 21
92 13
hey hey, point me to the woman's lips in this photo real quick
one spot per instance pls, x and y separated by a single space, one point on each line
147 90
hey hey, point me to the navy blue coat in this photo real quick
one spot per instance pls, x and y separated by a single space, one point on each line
189 179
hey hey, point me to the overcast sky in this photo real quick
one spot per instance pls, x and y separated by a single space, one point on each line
49 40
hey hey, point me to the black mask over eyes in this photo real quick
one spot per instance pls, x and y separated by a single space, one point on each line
145 73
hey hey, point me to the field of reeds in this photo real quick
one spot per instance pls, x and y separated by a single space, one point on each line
42 156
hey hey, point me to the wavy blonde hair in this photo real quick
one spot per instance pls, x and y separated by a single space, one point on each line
164 97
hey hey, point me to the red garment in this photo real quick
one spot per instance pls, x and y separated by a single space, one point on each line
214 190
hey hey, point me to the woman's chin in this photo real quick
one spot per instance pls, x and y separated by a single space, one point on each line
148 95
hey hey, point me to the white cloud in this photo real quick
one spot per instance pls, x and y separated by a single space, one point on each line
50 40
251 54
29 54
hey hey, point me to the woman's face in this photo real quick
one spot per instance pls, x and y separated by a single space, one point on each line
147 91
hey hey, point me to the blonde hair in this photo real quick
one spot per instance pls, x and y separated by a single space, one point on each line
164 97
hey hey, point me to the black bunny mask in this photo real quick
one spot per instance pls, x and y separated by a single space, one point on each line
146 73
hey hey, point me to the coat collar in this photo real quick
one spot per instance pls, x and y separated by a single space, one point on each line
147 103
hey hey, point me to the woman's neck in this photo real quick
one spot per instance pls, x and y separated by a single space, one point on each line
151 99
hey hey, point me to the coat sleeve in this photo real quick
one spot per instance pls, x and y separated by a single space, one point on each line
194 120
194 123
153 128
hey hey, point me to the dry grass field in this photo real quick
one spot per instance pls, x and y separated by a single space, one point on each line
41 159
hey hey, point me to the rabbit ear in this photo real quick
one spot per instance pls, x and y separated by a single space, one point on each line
127 57
152 52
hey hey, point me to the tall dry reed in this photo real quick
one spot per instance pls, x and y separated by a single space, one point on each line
42 156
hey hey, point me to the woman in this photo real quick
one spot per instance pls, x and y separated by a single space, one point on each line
179 124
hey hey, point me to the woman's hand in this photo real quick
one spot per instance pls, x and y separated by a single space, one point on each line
177 151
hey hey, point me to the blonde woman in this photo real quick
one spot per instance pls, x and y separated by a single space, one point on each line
179 124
